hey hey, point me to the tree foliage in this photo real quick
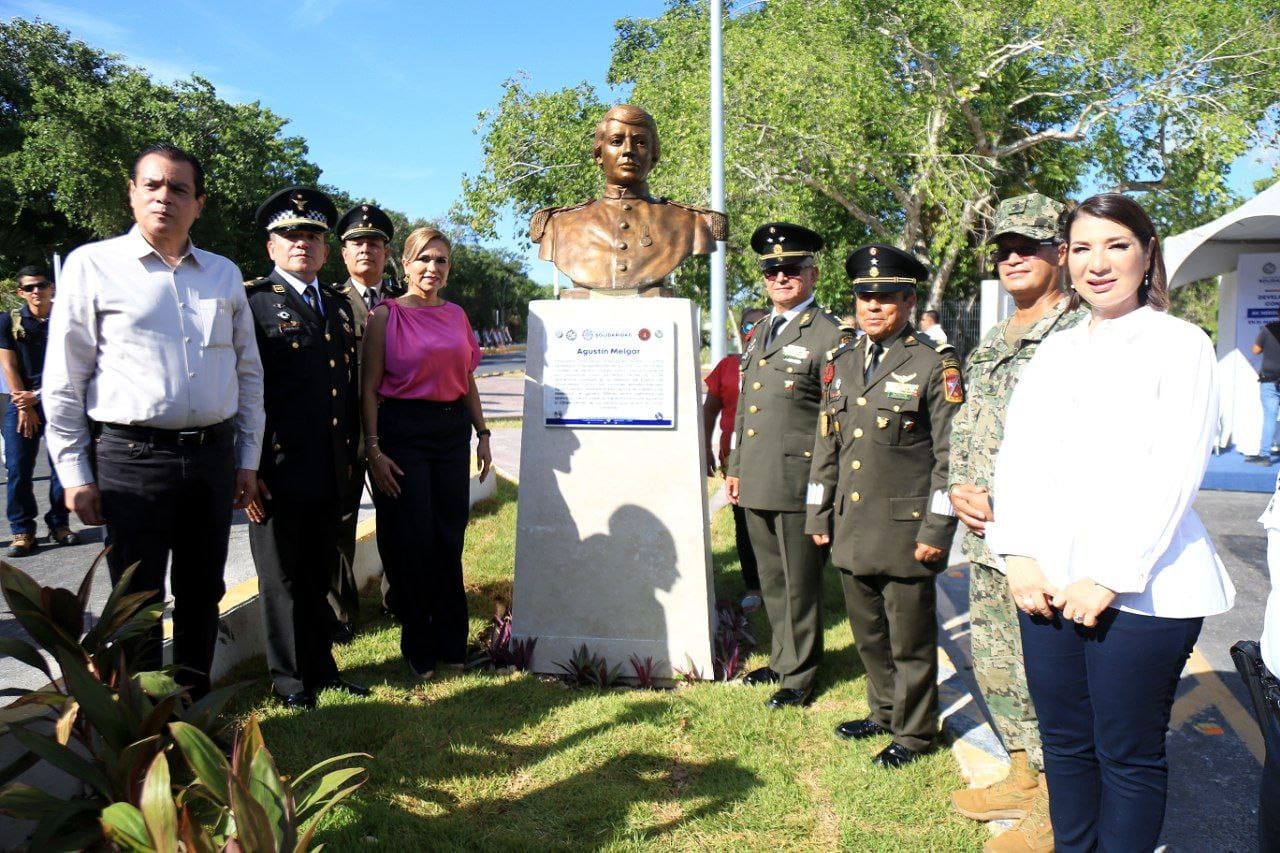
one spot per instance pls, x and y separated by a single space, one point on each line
73 118
904 122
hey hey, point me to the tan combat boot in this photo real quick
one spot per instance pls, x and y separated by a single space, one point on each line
1032 834
1008 799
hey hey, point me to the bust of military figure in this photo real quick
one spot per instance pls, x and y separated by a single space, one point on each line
627 242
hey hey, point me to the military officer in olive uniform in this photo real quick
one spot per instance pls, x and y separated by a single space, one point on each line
768 470
365 231
306 338
878 495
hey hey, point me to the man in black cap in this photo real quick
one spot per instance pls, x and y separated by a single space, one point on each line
767 471
365 231
307 341
878 496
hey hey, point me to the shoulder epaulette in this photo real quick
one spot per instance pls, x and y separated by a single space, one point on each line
256 282
845 346
719 221
538 222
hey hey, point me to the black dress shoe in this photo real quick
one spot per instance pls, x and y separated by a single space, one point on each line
789 697
350 687
895 755
304 699
343 633
858 729
1258 460
763 675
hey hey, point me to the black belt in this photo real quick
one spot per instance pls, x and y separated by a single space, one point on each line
170 437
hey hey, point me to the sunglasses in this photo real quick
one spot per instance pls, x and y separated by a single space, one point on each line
788 271
32 288
1023 250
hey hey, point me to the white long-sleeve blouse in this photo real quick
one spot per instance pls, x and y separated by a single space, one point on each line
1107 438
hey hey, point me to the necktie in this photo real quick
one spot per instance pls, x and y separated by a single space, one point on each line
774 328
370 297
312 298
873 359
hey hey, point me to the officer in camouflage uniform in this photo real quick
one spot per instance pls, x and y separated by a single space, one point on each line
1029 256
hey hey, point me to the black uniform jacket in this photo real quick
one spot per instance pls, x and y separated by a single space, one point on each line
309 371
881 455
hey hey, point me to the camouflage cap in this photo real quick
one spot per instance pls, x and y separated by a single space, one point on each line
1034 215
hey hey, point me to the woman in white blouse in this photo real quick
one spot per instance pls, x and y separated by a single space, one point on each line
1106 441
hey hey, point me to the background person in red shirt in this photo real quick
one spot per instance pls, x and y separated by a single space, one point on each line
723 383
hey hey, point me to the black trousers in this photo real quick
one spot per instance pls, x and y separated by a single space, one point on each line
159 501
293 552
420 533
344 595
746 556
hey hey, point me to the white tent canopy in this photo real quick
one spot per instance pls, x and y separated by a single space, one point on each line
1241 248
1211 249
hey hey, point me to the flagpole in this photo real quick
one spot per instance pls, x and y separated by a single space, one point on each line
718 305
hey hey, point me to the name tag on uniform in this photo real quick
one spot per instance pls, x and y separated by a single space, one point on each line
901 390
794 353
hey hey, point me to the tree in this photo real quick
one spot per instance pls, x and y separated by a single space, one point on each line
72 119
904 122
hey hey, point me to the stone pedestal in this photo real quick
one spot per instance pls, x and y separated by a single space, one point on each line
612 541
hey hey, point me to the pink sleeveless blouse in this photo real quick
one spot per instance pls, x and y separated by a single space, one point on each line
430 352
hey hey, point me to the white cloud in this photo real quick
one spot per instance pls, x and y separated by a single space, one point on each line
83 25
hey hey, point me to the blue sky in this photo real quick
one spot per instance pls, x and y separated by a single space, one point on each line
386 93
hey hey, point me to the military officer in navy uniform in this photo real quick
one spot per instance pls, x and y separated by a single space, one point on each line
364 231
306 338
768 470
878 496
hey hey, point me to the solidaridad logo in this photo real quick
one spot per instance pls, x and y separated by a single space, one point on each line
589 334
1268 268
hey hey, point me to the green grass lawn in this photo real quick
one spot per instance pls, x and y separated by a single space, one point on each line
484 760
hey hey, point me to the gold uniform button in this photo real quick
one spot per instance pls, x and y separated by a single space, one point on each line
807 454
763 362
276 448
751 433
857 433
622 247
753 409
915 514
622 266
328 337
335 392
332 363
861 401
335 421
897 408
624 225
295 344
857 464
855 497
755 386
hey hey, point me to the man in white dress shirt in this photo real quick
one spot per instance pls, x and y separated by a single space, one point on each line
153 393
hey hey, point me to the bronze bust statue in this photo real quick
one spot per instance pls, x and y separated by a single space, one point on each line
627 242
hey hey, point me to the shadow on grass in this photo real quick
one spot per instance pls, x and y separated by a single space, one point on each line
483 761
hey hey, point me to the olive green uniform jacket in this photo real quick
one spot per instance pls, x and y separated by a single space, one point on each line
778 410
880 456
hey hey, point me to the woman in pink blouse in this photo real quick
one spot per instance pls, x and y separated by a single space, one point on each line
420 404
